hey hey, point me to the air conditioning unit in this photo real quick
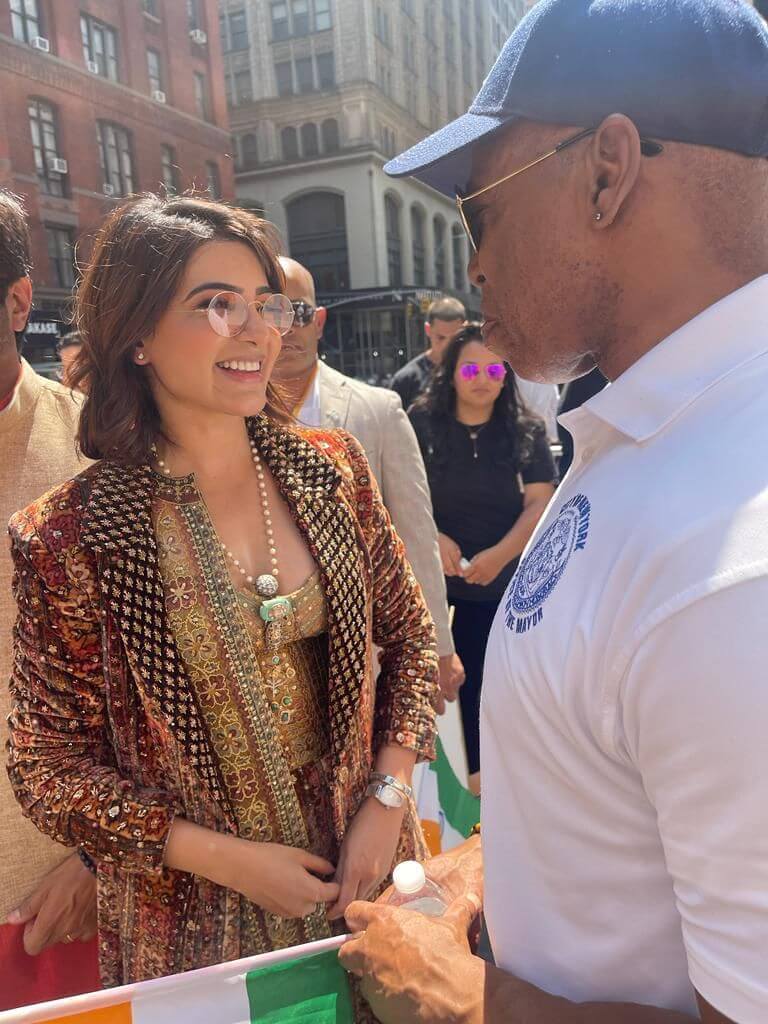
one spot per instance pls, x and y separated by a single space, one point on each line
92 66
41 43
57 165
158 96
198 36
108 190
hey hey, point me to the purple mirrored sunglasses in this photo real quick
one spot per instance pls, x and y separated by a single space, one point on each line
495 371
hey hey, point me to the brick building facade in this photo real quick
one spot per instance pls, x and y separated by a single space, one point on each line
103 98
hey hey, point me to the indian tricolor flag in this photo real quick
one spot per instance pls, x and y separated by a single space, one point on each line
304 985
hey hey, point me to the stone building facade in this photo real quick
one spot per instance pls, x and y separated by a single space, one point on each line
321 93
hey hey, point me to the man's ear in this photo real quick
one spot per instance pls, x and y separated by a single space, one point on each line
18 304
321 318
428 330
614 166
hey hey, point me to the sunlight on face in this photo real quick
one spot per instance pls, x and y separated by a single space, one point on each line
193 368
482 390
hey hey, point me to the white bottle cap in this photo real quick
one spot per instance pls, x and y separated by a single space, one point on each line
409 877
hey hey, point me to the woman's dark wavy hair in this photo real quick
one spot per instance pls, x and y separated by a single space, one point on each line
138 260
436 408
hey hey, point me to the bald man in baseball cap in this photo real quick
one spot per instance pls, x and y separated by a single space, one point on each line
612 179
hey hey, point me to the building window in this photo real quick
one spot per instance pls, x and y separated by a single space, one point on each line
322 15
300 17
234 34
116 158
394 243
194 20
326 71
281 28
438 230
61 253
42 127
330 133
99 47
407 7
155 71
25 20
317 234
201 94
213 179
419 247
151 7
305 79
243 87
170 169
249 151
309 142
459 258
289 141
284 78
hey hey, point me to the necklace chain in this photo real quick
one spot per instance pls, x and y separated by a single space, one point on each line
268 583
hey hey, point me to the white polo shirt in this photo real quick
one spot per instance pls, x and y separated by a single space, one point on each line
624 735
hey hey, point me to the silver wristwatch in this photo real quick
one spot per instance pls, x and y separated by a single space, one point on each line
388 790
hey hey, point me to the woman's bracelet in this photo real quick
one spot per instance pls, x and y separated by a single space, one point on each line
87 860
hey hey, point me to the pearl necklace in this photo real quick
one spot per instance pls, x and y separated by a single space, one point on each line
267 584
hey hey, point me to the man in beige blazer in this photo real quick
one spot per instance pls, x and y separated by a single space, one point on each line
322 397
47 895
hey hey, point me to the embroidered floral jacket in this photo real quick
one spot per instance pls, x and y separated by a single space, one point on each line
107 743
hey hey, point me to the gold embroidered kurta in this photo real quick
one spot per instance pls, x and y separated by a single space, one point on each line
110 739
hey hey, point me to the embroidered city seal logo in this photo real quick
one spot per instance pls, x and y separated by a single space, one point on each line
540 571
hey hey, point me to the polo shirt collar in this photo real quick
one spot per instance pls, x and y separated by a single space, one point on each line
673 374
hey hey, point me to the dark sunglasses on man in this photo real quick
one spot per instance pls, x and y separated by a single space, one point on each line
303 313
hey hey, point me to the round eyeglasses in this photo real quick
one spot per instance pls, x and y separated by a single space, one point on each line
494 371
228 313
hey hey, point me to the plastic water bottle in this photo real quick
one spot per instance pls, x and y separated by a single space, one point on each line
414 891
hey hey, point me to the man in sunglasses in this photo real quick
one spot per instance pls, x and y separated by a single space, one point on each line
612 176
321 396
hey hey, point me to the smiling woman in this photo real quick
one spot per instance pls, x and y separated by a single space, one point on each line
196 706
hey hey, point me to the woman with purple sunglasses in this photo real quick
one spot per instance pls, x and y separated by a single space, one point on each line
491 476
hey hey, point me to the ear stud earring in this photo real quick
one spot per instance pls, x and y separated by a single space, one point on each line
140 356
598 216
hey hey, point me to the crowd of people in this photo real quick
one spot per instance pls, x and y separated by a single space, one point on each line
241 586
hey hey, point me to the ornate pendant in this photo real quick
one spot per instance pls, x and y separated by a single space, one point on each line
281 625
266 585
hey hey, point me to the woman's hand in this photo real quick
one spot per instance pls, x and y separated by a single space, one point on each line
367 853
280 879
485 567
450 555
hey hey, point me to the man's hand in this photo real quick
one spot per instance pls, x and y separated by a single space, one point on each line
485 567
451 679
450 555
61 909
416 968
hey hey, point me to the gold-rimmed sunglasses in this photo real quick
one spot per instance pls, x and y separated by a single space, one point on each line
647 148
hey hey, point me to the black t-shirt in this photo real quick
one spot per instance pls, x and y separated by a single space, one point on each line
477 501
412 379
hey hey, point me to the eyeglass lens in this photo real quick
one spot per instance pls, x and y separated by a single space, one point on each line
228 313
304 314
494 371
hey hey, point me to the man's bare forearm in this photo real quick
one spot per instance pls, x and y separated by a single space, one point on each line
508 1000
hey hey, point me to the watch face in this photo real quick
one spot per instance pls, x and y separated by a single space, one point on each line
390 797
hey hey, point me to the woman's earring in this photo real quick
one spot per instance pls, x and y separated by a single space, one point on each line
598 216
140 356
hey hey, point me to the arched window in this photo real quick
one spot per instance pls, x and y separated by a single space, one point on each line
290 144
309 143
317 237
249 151
459 258
394 243
419 247
330 132
438 228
